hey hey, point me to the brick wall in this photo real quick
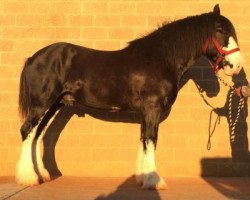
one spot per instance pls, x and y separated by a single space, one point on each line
86 146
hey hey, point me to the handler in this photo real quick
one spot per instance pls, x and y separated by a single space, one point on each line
243 91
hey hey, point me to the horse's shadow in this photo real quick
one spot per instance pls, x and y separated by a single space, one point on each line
129 190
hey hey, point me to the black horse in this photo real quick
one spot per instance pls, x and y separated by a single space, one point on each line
143 77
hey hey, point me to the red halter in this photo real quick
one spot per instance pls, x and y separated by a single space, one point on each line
222 52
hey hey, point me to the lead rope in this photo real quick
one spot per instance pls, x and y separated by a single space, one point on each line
232 124
210 133
217 121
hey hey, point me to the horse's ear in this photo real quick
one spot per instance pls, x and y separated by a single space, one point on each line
217 10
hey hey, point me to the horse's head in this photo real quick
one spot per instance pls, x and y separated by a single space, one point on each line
222 48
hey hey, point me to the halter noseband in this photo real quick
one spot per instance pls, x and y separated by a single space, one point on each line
222 52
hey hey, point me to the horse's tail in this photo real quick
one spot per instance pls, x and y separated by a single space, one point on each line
24 93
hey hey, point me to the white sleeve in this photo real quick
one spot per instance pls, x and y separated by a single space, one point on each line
245 90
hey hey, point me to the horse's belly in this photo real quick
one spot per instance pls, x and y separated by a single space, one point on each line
103 98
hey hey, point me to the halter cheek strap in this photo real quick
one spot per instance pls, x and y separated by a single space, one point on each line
221 51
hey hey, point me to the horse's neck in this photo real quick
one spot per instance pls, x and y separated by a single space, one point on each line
184 65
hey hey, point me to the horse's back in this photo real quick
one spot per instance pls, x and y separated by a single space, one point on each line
63 67
101 79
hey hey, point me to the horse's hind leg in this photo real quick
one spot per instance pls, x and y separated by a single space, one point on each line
40 132
146 169
27 173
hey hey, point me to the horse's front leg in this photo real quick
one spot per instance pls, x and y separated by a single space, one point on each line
147 174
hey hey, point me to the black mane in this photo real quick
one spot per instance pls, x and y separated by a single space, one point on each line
188 35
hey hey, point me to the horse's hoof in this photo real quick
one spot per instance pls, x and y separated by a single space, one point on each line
154 182
161 185
46 179
27 179
46 176
25 174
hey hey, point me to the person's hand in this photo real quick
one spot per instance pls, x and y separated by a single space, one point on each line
238 91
